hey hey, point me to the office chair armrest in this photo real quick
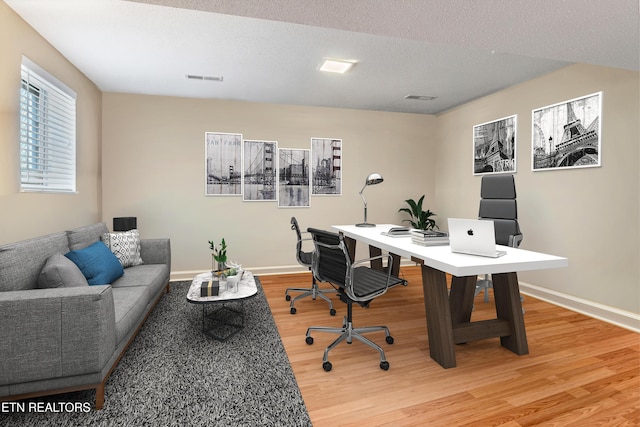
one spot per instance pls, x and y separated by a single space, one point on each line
349 289
366 260
515 240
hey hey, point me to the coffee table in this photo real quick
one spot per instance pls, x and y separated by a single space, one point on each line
225 321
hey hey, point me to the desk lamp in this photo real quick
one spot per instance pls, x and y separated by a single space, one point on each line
372 179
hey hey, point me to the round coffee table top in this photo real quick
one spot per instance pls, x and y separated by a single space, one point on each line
246 289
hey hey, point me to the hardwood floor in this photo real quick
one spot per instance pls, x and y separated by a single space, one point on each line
580 371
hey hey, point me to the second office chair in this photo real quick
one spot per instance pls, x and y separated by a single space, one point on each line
305 258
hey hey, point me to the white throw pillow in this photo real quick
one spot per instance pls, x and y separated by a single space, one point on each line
125 245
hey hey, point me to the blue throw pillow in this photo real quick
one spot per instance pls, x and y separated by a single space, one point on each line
98 264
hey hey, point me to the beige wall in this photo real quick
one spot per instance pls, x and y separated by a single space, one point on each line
589 215
153 166
24 215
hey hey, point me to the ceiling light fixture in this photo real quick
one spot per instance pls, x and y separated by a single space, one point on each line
206 78
421 97
340 66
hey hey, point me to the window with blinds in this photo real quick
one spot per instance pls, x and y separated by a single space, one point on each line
47 132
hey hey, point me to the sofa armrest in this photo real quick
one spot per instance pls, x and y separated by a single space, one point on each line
156 251
53 333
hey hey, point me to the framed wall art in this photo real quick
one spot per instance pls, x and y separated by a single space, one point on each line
567 134
293 178
494 146
259 170
223 160
326 166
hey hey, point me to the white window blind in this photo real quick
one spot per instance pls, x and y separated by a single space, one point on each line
47 132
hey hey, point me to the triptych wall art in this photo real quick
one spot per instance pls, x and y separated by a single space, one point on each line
261 171
566 135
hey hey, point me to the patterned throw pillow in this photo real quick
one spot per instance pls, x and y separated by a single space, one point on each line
125 245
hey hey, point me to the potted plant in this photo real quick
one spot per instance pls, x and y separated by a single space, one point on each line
219 253
420 219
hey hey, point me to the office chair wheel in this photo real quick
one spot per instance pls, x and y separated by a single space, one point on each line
327 366
287 297
332 312
383 365
309 340
389 340
293 310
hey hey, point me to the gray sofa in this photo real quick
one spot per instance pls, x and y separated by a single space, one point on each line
62 339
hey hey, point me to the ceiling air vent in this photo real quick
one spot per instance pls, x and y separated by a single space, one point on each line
204 78
421 97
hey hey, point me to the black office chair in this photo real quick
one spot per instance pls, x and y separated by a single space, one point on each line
356 283
498 204
305 259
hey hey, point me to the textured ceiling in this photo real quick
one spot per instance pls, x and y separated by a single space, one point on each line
269 51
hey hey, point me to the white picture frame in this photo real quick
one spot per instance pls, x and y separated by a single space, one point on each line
567 135
259 170
222 164
294 178
494 146
326 166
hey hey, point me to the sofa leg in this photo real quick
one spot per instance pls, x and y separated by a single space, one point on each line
100 396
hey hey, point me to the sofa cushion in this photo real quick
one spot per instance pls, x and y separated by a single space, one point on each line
125 245
82 237
60 271
21 262
130 304
153 277
97 263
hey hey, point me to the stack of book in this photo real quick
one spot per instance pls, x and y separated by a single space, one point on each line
429 237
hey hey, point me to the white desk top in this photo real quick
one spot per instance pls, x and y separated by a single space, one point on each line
441 257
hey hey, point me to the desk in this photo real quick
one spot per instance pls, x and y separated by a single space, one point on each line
449 314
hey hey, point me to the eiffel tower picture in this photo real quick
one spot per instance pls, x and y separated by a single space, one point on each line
494 146
567 134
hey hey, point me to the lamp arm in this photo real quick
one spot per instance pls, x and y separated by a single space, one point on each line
362 195
364 202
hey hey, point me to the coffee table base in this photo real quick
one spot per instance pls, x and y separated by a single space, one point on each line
223 321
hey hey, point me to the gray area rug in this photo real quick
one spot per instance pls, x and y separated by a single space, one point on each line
174 375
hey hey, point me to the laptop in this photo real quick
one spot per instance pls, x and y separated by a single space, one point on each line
473 237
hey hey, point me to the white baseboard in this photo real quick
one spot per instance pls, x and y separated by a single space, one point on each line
177 276
615 316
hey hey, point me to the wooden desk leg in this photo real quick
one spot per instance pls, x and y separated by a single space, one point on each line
376 264
439 327
461 298
509 307
351 246
395 268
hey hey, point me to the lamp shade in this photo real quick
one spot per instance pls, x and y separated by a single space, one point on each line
125 223
374 178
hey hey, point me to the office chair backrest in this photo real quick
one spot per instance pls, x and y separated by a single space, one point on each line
498 203
331 261
304 258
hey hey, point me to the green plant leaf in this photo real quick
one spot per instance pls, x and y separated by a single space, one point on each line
419 218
